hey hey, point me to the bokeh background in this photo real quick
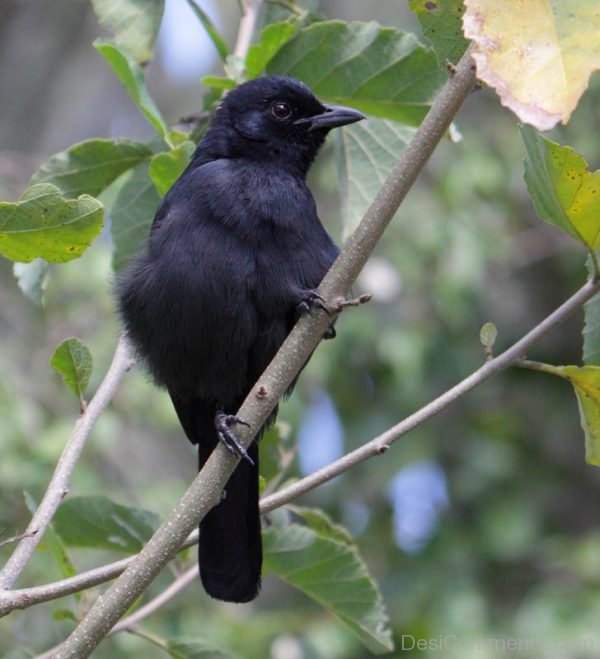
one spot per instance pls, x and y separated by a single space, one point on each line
481 524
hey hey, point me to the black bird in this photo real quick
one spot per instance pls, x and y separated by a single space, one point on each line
235 254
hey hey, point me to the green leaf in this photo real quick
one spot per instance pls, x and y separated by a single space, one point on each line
91 166
52 543
167 167
488 334
366 152
307 10
132 213
73 361
441 22
132 78
64 614
42 224
378 70
218 82
134 23
564 192
99 523
183 648
277 451
211 30
333 574
271 40
320 522
31 278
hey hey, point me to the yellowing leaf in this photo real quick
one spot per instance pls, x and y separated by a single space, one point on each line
538 55
564 192
586 383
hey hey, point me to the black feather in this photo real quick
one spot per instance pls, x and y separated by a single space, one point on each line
236 246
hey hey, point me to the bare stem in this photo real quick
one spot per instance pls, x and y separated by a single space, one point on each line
59 484
251 10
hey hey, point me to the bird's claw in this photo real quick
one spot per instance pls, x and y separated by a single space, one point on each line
330 332
228 437
312 300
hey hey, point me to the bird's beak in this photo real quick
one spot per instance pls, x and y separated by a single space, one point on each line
334 116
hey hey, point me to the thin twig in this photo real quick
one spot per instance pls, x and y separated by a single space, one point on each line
16 538
251 10
59 484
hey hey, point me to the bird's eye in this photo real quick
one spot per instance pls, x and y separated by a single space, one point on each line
281 110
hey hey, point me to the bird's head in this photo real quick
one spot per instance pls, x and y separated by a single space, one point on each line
274 119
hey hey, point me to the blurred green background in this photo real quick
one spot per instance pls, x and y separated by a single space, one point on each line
481 524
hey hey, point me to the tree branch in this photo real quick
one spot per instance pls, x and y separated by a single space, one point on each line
511 357
379 445
206 489
59 484
129 624
23 598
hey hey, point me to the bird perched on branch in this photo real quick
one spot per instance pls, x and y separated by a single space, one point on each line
235 254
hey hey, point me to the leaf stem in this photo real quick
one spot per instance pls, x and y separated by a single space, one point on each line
539 366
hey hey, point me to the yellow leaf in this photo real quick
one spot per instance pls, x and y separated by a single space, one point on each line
537 54
586 383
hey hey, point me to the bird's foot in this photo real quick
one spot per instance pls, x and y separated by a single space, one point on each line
330 332
312 300
228 437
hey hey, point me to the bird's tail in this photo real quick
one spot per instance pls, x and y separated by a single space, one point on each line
230 549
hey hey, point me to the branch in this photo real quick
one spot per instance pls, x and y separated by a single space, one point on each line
23 598
59 485
205 490
511 357
129 624
379 445
26 597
